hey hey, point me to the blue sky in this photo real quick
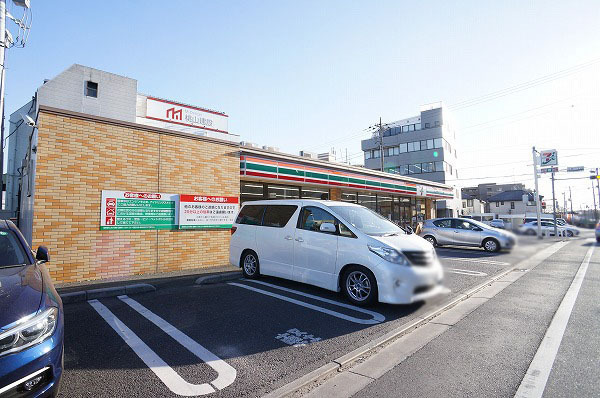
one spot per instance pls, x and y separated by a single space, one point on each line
313 74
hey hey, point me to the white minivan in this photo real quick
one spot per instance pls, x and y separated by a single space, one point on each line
336 246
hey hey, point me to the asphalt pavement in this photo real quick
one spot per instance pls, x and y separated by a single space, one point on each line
247 338
490 348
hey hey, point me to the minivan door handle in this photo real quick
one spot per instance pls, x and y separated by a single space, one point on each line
299 240
288 237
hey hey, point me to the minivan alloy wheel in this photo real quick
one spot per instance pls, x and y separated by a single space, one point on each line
358 285
250 265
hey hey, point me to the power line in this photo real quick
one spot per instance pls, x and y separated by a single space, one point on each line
523 86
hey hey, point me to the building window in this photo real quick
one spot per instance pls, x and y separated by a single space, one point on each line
251 191
405 129
403 147
502 203
512 205
283 192
91 89
439 166
411 127
376 154
418 126
427 125
314 193
497 204
437 143
368 155
437 123
403 169
470 202
427 167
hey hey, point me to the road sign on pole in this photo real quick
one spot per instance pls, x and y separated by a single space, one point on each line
578 168
548 158
549 170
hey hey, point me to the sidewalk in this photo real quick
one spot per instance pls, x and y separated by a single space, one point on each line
481 347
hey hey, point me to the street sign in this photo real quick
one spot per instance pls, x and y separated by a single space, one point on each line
578 168
548 158
549 170
595 177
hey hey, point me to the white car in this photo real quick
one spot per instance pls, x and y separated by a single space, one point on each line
336 246
497 223
530 228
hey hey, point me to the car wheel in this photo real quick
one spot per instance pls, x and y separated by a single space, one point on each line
491 245
250 266
431 240
569 234
360 286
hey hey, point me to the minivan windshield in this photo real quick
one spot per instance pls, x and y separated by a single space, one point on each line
367 221
11 250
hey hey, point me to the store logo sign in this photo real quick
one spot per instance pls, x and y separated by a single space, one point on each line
174 114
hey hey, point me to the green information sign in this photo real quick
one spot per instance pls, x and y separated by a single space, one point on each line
135 210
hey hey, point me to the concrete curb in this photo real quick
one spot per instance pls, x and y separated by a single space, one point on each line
337 364
84 295
223 277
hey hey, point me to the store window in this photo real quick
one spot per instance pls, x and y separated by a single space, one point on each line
349 197
315 193
385 205
251 191
368 200
282 192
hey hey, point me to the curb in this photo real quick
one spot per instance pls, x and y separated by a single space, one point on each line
223 277
84 295
336 365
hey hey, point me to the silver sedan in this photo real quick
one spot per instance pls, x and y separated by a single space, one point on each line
466 232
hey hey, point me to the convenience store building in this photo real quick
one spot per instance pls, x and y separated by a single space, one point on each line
118 183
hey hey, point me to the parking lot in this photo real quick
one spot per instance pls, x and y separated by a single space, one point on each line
238 338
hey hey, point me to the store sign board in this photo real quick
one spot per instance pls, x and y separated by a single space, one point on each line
548 158
576 168
184 115
128 210
201 211
549 170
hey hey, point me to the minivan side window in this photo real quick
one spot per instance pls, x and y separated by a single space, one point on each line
443 223
278 215
311 219
251 215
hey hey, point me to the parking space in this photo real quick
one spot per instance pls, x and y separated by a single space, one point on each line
238 338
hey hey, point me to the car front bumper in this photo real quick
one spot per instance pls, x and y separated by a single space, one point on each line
401 284
44 359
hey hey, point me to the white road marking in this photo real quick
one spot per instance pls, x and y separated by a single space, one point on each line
465 272
377 317
165 373
296 338
534 382
225 371
475 260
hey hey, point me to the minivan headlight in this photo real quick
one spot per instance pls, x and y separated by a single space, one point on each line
30 332
389 254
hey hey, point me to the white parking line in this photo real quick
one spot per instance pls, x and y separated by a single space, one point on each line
534 382
465 272
475 260
377 317
175 383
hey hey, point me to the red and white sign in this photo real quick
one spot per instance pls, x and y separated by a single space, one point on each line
185 115
204 211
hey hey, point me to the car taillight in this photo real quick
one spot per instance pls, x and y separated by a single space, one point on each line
233 229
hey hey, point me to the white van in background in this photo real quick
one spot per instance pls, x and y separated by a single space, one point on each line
336 246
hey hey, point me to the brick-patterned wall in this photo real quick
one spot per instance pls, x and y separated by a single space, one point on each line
79 158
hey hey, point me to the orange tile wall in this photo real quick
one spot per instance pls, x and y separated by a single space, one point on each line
78 158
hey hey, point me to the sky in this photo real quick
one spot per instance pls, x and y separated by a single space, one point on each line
313 75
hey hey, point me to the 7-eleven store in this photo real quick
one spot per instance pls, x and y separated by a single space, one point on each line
273 175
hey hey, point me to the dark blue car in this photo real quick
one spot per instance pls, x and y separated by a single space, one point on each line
31 320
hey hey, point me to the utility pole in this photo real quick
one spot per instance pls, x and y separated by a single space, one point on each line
597 187
381 142
564 205
554 207
594 196
571 200
537 195
2 49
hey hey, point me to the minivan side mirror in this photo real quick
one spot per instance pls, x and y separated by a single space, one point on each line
42 254
327 227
